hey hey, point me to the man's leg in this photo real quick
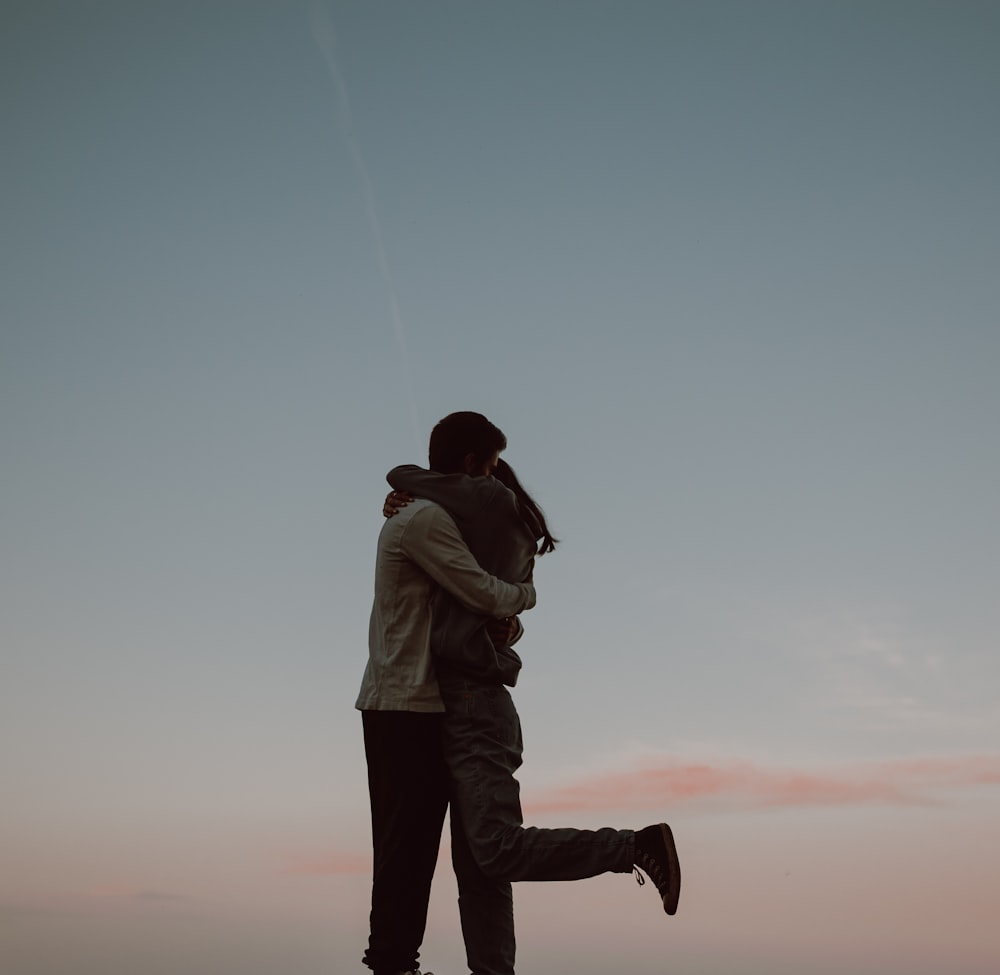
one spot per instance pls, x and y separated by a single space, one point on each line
408 788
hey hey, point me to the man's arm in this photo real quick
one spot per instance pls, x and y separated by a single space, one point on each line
433 542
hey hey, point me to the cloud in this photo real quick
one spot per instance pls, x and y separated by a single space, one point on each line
15 911
328 864
122 892
104 899
740 785
333 863
157 896
726 784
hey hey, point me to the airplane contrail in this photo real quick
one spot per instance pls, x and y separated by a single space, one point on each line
322 29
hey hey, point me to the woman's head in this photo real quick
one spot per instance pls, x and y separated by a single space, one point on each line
532 514
467 443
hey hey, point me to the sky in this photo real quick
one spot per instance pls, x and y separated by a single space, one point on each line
725 273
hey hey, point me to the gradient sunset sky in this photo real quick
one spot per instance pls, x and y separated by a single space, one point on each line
728 276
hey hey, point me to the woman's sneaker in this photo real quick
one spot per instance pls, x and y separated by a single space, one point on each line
656 854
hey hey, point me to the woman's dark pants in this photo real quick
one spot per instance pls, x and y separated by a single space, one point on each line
490 846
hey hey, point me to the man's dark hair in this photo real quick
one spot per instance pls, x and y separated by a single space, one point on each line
460 434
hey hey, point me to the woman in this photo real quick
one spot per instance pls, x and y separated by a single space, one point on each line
500 523
505 529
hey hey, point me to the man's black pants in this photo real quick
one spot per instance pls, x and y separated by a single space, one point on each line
408 788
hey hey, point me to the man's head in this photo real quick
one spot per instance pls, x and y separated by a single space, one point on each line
465 443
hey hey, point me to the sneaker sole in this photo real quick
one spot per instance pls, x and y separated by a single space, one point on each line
673 892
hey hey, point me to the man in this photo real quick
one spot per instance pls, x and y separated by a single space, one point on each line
418 551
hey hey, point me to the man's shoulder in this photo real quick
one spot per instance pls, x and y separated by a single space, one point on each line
427 516
418 517
420 509
419 529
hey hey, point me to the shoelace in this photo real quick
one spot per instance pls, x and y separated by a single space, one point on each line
654 868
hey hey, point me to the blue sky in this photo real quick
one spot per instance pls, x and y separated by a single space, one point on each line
725 274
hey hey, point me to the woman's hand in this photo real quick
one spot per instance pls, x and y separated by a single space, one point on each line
396 501
502 632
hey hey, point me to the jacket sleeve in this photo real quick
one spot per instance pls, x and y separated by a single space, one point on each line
433 542
461 495
518 632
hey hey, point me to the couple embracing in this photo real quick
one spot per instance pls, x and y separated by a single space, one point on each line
453 571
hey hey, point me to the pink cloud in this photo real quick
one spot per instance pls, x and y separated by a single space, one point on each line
109 890
968 770
733 783
329 864
124 892
727 784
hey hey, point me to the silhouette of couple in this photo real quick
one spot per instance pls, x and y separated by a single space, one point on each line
453 571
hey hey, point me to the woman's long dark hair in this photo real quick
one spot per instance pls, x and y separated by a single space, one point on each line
532 514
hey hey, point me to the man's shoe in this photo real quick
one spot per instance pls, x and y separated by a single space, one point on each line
656 854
